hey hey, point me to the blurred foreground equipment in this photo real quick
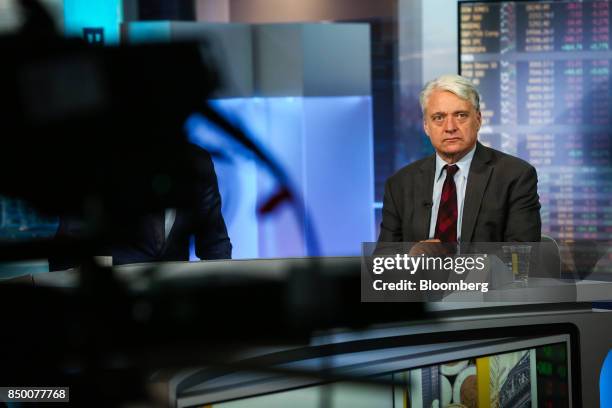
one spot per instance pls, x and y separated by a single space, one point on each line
102 129
98 126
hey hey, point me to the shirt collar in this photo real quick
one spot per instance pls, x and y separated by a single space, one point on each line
463 164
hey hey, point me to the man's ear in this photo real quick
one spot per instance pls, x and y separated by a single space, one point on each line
479 118
425 126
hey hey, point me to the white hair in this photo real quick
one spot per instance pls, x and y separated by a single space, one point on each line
456 84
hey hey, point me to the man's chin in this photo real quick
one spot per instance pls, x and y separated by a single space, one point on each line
453 155
453 152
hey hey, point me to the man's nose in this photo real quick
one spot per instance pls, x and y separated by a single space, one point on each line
450 125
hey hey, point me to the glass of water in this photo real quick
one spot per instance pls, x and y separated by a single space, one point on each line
516 258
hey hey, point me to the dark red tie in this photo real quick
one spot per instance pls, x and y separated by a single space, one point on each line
446 225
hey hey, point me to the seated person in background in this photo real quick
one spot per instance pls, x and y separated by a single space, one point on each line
164 235
465 192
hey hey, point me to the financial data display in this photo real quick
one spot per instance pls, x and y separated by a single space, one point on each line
543 71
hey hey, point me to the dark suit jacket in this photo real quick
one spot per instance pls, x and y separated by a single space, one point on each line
501 201
146 241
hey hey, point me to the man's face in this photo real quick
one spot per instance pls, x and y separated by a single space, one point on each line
452 124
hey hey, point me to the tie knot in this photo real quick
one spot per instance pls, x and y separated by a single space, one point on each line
451 169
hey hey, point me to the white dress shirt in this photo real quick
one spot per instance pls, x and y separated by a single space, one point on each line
460 178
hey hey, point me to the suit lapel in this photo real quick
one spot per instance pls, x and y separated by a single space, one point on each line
480 173
424 193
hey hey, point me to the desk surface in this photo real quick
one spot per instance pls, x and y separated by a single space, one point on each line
140 276
546 301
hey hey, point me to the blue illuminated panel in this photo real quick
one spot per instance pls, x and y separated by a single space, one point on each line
105 14
325 146
323 143
605 382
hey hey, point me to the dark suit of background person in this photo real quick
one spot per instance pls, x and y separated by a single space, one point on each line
149 243
501 203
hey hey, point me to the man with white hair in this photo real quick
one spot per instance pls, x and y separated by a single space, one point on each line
465 192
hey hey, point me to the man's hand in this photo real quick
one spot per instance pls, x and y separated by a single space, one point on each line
429 247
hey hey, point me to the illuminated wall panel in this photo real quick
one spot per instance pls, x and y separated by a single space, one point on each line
325 145
105 14
302 92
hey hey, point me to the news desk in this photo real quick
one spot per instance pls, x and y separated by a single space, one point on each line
477 324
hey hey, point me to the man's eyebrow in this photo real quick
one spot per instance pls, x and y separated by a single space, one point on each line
453 112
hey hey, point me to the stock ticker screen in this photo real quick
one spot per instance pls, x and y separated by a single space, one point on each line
543 71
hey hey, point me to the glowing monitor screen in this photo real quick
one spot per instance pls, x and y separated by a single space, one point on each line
543 70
